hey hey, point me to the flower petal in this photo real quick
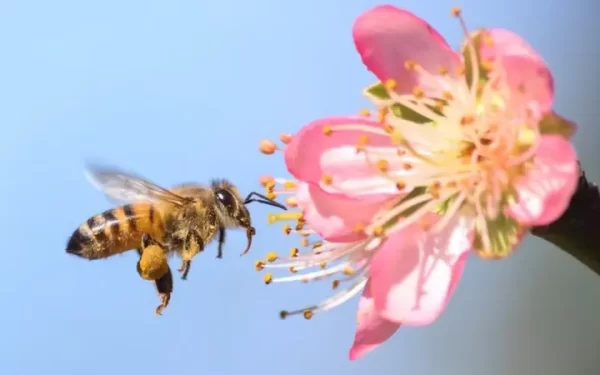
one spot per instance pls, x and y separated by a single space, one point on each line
335 216
311 155
386 37
414 272
372 330
545 192
528 76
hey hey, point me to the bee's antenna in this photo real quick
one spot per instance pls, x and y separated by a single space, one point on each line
264 200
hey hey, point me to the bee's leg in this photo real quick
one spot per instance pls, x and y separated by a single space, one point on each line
185 268
193 245
164 286
221 242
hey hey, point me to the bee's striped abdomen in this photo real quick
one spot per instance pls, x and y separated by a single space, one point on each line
115 231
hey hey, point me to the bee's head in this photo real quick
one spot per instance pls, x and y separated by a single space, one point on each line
232 208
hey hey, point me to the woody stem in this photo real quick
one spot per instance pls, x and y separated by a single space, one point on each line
577 231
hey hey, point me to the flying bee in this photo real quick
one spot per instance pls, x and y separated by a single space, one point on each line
158 222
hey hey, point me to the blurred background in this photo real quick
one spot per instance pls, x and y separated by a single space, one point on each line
183 90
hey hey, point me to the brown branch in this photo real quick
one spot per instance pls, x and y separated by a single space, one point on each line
577 231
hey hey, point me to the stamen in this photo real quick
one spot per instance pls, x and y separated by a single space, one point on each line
282 216
267 147
285 138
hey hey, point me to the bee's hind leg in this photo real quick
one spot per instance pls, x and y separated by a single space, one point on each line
164 286
153 265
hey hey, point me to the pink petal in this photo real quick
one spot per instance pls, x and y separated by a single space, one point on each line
372 330
414 273
335 216
311 155
527 74
386 37
545 192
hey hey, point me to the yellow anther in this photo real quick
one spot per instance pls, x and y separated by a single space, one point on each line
467 120
456 11
400 185
400 152
269 186
388 128
365 112
268 278
308 314
290 185
291 202
407 166
460 69
378 231
304 242
259 265
323 265
363 140
410 65
282 216
287 229
299 226
439 106
267 147
271 195
383 165
327 130
358 228
285 138
487 65
447 95
391 84
348 271
316 245
294 252
443 71
382 112
487 39
335 284
266 180
418 93
293 269
283 314
327 180
451 184
271 257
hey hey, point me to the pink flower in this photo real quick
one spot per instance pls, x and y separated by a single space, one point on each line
465 154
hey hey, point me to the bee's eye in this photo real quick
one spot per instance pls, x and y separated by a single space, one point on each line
225 197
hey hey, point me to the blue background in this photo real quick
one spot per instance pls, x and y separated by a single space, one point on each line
184 90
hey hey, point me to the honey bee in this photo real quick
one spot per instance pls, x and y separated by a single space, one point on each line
158 222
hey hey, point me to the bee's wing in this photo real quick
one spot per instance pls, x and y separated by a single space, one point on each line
124 187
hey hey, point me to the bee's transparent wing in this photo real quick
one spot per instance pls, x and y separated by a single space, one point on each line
123 187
